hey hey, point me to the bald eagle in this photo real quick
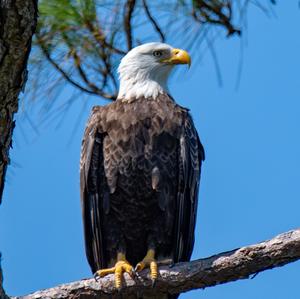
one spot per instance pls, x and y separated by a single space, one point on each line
140 169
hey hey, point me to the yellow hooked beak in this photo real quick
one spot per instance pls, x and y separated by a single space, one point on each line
178 56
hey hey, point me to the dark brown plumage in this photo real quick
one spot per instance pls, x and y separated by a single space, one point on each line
139 177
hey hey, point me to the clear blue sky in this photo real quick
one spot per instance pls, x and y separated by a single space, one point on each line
250 186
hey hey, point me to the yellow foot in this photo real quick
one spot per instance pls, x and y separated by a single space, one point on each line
149 262
119 268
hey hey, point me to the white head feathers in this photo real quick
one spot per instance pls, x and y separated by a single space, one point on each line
144 71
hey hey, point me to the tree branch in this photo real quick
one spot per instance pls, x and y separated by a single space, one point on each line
17 25
100 38
219 17
129 7
67 77
228 266
154 23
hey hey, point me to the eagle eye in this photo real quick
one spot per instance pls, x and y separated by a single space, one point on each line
157 53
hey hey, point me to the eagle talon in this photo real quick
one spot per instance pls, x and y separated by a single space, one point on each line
149 262
153 283
139 267
120 267
133 273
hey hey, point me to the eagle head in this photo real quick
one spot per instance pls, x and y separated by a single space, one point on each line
144 70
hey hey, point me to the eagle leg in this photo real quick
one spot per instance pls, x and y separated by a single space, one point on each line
149 262
121 266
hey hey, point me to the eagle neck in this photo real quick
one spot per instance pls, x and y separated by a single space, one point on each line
142 83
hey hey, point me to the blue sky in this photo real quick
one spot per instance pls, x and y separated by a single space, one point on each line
250 186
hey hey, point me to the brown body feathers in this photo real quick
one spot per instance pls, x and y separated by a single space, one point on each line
139 177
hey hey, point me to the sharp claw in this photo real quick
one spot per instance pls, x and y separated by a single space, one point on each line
153 283
118 270
138 267
132 273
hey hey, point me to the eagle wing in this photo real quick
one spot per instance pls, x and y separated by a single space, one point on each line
190 159
93 191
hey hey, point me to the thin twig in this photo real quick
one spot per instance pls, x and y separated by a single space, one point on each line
217 9
99 36
67 77
154 23
128 11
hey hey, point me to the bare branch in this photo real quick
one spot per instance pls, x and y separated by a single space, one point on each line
221 268
67 77
129 7
154 23
100 38
58 68
206 8
82 73
78 66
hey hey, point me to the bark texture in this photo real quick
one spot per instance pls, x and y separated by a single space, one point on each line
17 25
228 266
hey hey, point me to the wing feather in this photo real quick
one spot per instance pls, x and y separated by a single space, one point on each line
92 189
191 155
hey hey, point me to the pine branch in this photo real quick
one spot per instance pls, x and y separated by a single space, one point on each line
228 266
103 32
